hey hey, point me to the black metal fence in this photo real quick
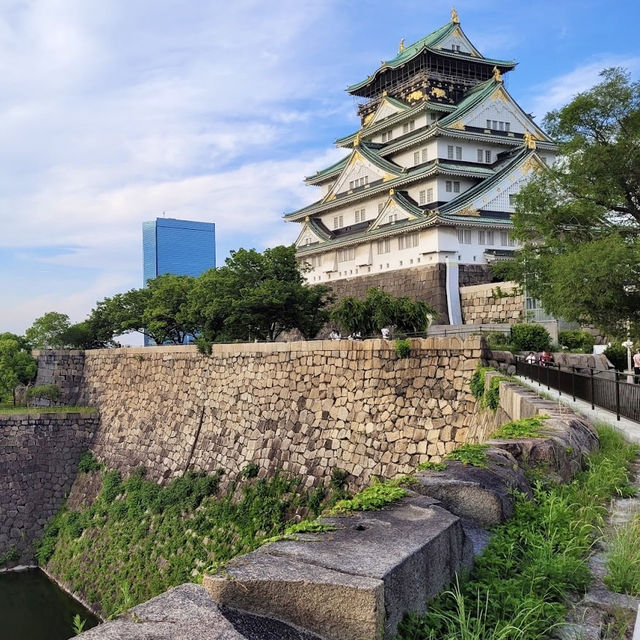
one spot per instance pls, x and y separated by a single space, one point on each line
600 388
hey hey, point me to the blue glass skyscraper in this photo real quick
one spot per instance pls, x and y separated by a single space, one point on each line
181 247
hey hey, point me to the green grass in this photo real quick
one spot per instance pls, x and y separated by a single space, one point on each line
432 466
11 410
376 496
623 559
139 539
518 588
471 454
523 428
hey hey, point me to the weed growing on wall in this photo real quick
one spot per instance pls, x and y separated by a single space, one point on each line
523 428
138 539
376 496
471 454
518 588
623 559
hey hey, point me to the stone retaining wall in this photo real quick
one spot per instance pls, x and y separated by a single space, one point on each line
39 456
493 302
303 407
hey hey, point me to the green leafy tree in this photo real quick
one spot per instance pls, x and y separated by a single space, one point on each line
258 296
160 311
381 309
47 332
579 220
17 366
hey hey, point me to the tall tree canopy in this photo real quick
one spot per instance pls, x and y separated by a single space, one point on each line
47 331
17 366
258 296
579 221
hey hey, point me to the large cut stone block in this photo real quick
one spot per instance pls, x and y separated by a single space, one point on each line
356 582
484 495
188 613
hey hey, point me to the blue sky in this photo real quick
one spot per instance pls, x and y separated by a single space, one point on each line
115 112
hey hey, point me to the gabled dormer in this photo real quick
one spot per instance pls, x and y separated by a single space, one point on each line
388 107
364 167
312 234
397 208
489 108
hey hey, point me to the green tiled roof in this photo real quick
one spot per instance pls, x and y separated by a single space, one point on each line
470 194
336 167
433 167
426 44
395 119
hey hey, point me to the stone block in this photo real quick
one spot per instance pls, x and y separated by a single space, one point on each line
480 494
356 582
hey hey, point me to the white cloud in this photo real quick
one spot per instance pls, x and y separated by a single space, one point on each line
560 90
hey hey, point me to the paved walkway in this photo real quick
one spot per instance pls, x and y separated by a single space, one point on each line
629 428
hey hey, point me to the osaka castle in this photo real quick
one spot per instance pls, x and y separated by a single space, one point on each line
422 201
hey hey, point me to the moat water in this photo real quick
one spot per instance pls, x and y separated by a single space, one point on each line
34 608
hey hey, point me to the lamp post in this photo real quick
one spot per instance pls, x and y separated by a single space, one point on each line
628 345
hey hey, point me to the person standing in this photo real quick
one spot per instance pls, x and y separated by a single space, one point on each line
636 365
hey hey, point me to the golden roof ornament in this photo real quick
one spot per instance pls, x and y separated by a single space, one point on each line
454 16
392 192
401 45
497 76
529 140
357 139
384 93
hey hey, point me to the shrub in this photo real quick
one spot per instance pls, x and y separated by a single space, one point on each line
49 392
376 496
251 470
577 339
88 463
477 382
617 354
403 348
530 337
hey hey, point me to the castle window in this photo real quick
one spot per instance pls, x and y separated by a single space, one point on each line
430 194
507 126
512 241
488 124
481 237
408 126
424 155
490 238
455 47
384 246
480 155
450 152
504 238
393 218
387 135
360 215
458 153
408 241
464 236
416 157
344 255
448 186
512 199
434 117
338 222
423 197
456 187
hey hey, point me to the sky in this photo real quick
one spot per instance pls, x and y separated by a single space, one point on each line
113 112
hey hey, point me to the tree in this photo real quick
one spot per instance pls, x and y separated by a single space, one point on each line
258 296
17 365
579 221
47 332
160 311
381 309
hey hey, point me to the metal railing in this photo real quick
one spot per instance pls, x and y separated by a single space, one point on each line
602 389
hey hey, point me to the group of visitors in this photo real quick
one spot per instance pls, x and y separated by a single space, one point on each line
545 359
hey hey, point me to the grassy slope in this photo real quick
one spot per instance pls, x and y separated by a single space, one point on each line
518 587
